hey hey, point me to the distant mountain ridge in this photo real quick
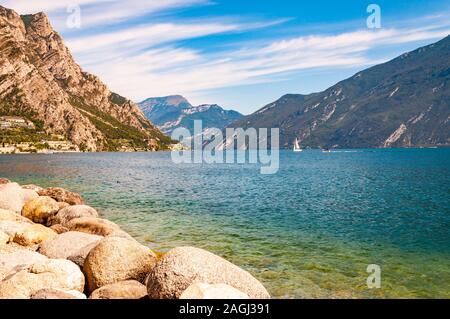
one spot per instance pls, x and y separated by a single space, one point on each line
402 103
40 81
172 112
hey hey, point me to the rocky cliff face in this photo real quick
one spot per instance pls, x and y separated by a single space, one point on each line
40 80
402 103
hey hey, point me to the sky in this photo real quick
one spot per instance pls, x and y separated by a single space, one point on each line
242 54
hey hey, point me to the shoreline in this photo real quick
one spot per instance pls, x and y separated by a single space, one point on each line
336 150
54 246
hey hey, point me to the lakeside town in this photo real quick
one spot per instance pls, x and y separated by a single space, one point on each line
13 129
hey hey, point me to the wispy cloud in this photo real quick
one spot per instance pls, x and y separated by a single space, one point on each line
100 12
171 69
147 35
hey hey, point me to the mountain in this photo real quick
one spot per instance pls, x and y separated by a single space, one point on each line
40 81
172 112
401 103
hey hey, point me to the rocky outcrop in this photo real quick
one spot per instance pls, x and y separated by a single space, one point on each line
41 81
184 266
68 244
117 259
62 195
130 289
40 209
206 291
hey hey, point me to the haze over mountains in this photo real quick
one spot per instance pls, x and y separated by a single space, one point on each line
172 112
401 103
39 80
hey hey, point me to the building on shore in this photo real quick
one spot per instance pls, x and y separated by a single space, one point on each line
7 122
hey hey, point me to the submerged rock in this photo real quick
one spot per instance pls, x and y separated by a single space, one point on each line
129 289
62 195
13 197
49 274
70 244
218 291
184 266
34 235
117 259
40 209
65 215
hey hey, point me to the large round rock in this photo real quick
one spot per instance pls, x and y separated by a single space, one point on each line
62 195
68 244
40 209
13 197
49 274
12 216
65 215
184 266
117 259
91 225
34 235
17 257
129 289
57 294
206 291
11 227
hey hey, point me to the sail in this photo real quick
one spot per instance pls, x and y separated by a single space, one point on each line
297 144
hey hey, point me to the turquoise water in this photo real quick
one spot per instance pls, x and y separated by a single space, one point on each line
309 231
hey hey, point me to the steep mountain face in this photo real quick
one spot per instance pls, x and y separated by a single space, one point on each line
172 112
40 80
402 103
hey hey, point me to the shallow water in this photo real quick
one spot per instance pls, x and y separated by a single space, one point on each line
309 231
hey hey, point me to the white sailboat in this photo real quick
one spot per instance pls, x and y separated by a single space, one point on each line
297 147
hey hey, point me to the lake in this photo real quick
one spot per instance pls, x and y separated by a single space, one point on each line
309 231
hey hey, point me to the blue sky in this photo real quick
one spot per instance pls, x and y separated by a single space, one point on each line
239 54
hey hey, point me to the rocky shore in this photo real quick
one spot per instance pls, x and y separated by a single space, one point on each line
54 246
